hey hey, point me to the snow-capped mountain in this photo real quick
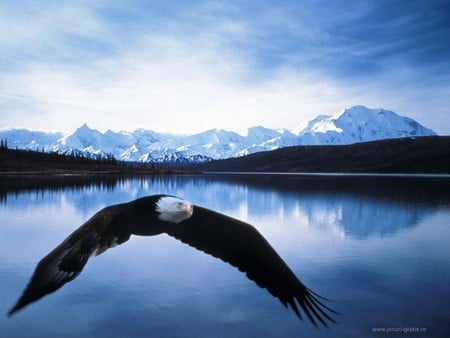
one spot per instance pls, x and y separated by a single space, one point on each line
356 124
33 140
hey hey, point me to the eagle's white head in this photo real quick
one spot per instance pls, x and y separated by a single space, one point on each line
173 209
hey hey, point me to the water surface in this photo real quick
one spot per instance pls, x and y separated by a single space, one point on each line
377 246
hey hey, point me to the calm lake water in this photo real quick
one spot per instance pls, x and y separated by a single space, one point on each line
378 247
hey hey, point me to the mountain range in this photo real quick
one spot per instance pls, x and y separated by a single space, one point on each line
352 125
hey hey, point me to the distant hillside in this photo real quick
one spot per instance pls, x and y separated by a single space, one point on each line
27 161
406 155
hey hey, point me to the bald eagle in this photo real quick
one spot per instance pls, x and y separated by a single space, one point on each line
229 239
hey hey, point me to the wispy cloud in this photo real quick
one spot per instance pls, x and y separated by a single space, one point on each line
182 67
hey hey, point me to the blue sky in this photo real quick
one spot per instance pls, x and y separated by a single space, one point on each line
188 66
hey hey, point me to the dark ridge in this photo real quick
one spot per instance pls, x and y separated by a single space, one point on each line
405 155
14 161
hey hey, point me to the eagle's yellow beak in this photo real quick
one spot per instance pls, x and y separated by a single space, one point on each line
187 208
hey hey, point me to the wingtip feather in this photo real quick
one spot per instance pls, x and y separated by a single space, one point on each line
316 311
15 308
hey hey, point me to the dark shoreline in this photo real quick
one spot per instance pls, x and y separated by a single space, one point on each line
62 173
15 162
420 155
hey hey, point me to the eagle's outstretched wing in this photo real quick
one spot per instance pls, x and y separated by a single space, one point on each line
66 261
242 246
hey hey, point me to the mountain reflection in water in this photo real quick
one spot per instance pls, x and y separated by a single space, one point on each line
351 206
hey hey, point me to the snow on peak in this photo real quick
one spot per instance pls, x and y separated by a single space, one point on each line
355 124
307 125
359 124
